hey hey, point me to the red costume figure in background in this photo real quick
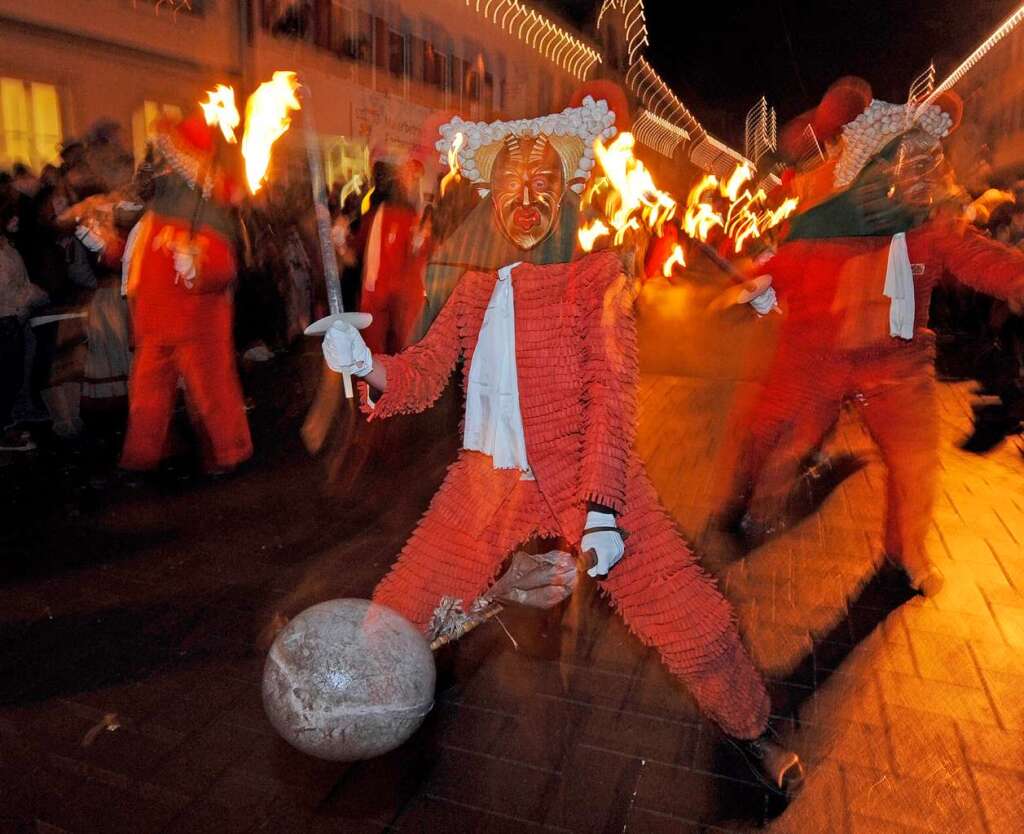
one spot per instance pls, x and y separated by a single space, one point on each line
392 290
835 345
180 289
855 327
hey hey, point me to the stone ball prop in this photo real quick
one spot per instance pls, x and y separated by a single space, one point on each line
348 680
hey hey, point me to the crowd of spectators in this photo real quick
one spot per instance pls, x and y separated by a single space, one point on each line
979 337
65 323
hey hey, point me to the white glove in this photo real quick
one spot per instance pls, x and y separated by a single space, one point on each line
88 239
185 268
345 350
608 545
764 303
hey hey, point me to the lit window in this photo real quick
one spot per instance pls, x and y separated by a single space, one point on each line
30 123
143 120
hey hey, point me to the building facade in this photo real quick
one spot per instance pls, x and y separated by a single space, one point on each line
382 73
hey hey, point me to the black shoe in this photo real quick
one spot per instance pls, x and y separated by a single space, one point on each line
926 581
778 769
989 433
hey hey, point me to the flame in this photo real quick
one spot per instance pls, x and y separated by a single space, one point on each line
588 235
742 214
628 197
219 109
453 174
677 258
743 173
266 120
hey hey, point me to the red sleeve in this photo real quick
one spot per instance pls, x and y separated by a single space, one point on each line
611 368
980 262
418 375
216 267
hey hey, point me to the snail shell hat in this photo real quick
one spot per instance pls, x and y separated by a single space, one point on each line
571 133
881 122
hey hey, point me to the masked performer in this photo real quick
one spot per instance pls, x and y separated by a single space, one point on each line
392 287
855 278
180 290
550 379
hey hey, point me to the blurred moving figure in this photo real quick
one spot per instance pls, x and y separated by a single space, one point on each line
17 296
180 288
855 278
392 289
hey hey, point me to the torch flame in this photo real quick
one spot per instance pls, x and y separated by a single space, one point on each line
453 174
219 109
677 258
743 173
628 200
741 214
266 120
631 200
588 235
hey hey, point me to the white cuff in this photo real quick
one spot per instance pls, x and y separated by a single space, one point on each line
764 303
596 518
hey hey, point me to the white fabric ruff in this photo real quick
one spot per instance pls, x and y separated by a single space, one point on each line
494 423
899 286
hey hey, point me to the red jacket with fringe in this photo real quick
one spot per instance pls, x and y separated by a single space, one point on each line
577 363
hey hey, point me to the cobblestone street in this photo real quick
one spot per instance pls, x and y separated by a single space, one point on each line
129 650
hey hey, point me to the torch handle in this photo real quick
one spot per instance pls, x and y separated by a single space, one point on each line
323 219
724 265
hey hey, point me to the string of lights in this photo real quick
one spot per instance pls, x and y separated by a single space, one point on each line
658 133
635 23
986 46
717 157
535 30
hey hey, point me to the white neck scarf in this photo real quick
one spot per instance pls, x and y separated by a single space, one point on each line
899 286
494 423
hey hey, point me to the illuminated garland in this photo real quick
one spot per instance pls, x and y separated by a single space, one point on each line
658 97
716 157
761 135
1001 32
175 5
535 30
635 23
658 133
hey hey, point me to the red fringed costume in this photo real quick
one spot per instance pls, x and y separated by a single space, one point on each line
576 357
182 327
835 345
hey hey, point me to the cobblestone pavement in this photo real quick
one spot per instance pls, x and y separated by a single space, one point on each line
130 667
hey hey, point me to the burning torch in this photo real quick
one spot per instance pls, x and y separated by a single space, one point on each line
323 228
267 118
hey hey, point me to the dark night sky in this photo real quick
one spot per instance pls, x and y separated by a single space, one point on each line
720 57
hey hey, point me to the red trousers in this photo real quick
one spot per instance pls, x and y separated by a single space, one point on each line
214 394
396 307
480 515
894 393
